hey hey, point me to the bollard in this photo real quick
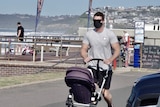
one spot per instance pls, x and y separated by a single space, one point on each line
114 64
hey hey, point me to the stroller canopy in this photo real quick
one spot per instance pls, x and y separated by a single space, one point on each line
79 75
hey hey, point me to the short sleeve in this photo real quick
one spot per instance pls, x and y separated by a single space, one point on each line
85 39
113 38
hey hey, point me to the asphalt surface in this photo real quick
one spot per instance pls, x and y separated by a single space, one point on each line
54 93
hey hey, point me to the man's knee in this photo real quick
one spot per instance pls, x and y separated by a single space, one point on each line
107 95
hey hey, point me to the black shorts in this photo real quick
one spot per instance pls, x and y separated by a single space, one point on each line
98 78
20 39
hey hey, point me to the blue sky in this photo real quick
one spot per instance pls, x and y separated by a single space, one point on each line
65 7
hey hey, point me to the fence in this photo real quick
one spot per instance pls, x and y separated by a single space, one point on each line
56 43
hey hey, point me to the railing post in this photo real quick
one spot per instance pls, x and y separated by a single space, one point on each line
5 46
0 47
61 49
34 50
9 44
42 48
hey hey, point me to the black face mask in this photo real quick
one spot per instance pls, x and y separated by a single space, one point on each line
97 23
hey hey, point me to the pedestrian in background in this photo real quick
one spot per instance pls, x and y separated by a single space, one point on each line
20 31
20 35
125 38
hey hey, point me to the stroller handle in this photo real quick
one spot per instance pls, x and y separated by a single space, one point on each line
98 67
97 59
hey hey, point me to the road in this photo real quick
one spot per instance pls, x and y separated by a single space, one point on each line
54 94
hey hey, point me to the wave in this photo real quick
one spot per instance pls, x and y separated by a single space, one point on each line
28 32
31 34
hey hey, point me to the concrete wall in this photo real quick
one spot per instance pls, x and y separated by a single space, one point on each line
7 70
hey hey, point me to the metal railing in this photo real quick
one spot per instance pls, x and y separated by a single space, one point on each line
58 42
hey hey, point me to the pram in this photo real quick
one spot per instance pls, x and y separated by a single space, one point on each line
82 92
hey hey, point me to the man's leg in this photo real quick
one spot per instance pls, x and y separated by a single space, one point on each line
17 50
108 97
106 94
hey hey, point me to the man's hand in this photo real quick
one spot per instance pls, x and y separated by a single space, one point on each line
107 61
87 59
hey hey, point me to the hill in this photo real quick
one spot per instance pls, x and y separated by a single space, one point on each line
63 23
117 18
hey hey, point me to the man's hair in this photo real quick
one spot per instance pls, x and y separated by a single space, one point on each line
99 14
18 23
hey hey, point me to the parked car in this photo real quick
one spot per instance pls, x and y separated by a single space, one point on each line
145 92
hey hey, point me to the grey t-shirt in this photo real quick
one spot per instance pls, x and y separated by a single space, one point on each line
100 43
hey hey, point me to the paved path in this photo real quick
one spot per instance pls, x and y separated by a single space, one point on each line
54 93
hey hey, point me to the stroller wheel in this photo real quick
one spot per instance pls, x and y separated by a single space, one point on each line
92 105
69 102
69 106
99 99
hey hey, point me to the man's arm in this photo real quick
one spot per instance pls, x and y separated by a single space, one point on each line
116 48
19 32
84 52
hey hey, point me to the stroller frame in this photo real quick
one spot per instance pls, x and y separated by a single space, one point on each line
96 96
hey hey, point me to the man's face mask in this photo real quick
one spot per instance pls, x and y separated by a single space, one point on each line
97 23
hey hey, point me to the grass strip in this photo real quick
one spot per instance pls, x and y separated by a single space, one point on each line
28 78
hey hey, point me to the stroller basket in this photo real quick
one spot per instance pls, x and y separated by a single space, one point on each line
81 82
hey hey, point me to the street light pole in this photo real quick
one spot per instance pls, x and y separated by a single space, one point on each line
105 20
106 15
89 13
158 23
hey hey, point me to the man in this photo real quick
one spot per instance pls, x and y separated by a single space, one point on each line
125 38
20 31
97 43
20 35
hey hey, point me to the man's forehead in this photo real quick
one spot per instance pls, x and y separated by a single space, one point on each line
98 17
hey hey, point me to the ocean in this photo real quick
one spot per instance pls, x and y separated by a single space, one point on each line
27 32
